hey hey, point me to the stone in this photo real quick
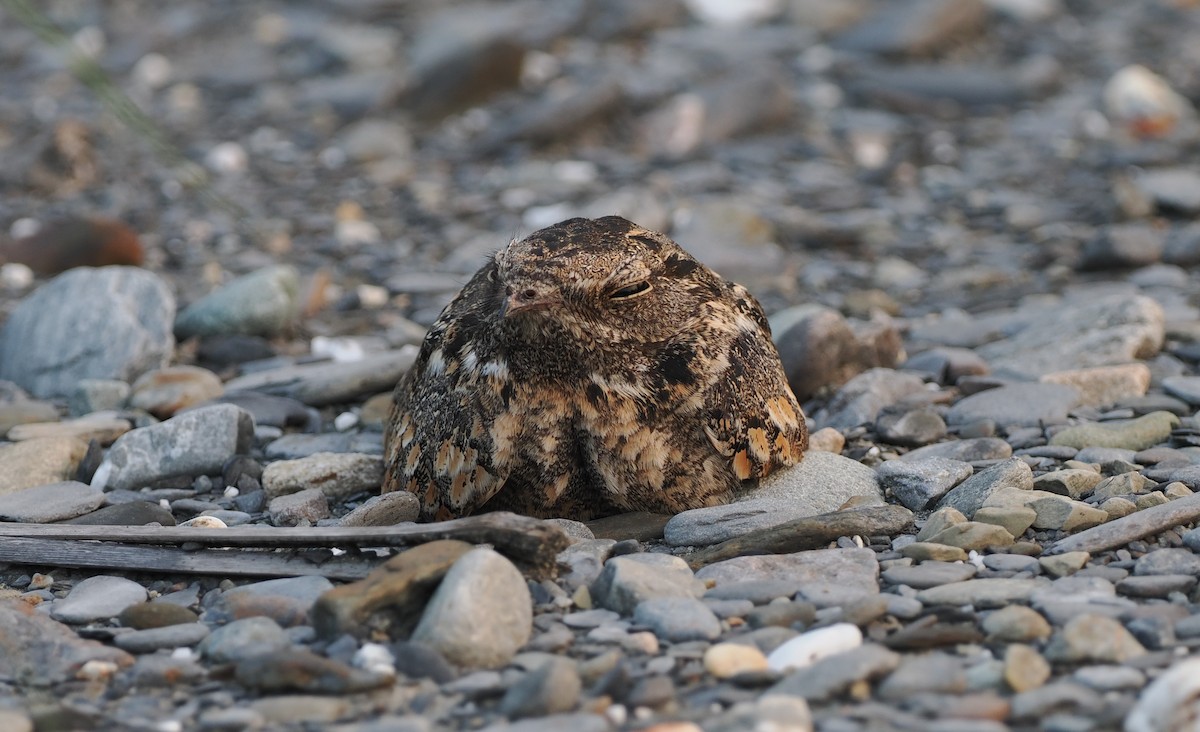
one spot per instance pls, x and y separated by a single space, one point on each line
1135 434
929 574
263 302
820 350
1024 668
1132 244
194 443
678 619
860 400
147 615
337 475
102 428
40 651
105 323
855 571
39 462
931 672
1093 331
552 688
133 513
913 27
967 451
1016 520
480 614
49 503
322 384
970 495
726 660
812 646
819 484
1016 624
826 439
833 675
243 638
392 595
1104 385
387 509
287 601
982 593
1061 565
1060 512
1023 405
1070 483
973 536
910 427
25 411
1169 702
780 713
303 508
626 581
1124 484
1090 638
299 669
1186 388
164 392
919 483
99 597
179 635
924 551
1172 189
939 521
1168 561
97 395
1160 585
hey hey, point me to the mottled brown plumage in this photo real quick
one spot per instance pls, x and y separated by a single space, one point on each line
592 368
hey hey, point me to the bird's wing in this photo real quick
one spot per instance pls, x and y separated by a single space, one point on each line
753 417
438 443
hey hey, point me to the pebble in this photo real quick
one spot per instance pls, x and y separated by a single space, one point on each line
1031 404
553 688
975 449
627 581
1104 385
970 495
213 434
387 509
678 619
860 400
322 384
920 483
97 598
262 303
1061 565
243 639
88 323
1136 434
305 507
727 660
49 503
833 675
808 648
40 461
171 636
287 601
848 572
480 614
1024 668
1093 639
337 475
1017 624
819 484
929 574
982 593
973 536
1016 520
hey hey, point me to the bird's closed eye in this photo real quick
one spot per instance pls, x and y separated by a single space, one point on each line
630 291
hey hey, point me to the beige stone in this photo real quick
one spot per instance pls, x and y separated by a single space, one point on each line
1024 668
924 551
1061 565
940 520
39 461
1060 512
1104 385
724 660
1016 520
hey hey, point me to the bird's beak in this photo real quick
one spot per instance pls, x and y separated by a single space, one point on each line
520 301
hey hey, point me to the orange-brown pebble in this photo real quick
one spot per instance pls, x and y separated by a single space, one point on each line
74 242
724 660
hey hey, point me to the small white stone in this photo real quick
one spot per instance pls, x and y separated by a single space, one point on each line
741 13
96 670
375 658
341 350
102 474
24 227
205 522
1171 703
345 421
356 232
227 157
371 297
16 276
231 491
90 41
152 71
810 647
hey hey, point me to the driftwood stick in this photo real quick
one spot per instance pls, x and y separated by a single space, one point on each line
1138 525
529 542
811 532
233 563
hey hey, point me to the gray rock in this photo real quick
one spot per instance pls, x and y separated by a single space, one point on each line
322 384
97 395
1093 638
971 494
854 572
910 427
1156 585
919 482
44 652
780 713
193 443
337 475
926 673
584 560
968 451
820 350
287 601
295 446
859 401
106 323
1186 388
1025 405
97 598
1094 331
833 675
260 303
171 636
242 639
552 688
629 580
819 484
913 27
1134 434
579 722
308 506
48 503
982 593
480 614
1133 244
1168 561
387 509
929 574
678 619
1173 189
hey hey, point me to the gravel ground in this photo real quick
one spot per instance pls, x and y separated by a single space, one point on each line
972 223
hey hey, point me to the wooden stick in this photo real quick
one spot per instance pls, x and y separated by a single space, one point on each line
1137 525
810 532
531 543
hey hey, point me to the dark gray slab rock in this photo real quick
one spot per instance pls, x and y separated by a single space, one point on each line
975 449
970 495
860 399
106 323
211 435
321 384
919 482
1025 405
38 651
47 503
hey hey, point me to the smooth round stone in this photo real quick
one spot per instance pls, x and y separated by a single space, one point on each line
923 551
759 592
984 593
171 636
929 574
286 601
97 598
911 428
49 503
590 618
1016 623
1160 585
1186 388
146 615
1101 455
148 454
1110 678
163 392
260 303
810 647
1168 561
725 660
1093 638
338 475
1170 696
1135 434
971 450
1010 562
242 639
678 619
551 689
729 608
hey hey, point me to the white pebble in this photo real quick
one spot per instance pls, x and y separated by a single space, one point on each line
96 670
806 649
24 227
341 350
152 71
345 421
227 157
231 491
356 232
371 297
16 276
375 658
725 13
183 653
90 41
975 558
205 522
101 476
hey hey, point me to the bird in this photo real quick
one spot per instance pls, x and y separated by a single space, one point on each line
589 369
